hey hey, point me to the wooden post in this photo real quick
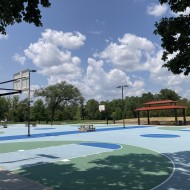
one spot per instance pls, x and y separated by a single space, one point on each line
148 117
138 115
184 118
175 111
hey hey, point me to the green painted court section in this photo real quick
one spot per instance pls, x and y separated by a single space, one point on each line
13 147
173 128
127 168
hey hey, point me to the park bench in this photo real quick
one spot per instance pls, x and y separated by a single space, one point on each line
86 128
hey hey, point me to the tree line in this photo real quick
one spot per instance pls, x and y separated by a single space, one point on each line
62 102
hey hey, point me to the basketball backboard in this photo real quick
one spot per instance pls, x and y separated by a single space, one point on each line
22 82
101 108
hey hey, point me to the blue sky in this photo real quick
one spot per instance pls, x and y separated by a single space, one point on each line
95 45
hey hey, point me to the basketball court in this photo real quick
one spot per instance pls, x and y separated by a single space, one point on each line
112 157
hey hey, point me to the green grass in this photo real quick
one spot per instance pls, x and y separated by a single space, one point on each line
126 168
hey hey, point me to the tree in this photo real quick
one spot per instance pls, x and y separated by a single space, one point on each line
114 116
22 110
16 11
147 97
13 108
92 109
116 106
167 94
3 107
134 102
175 36
58 94
38 111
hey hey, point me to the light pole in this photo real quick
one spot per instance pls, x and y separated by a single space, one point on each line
123 86
30 71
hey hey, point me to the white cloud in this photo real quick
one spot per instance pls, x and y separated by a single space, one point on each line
98 84
20 59
4 37
101 85
160 75
49 54
67 40
107 70
133 53
157 9
128 53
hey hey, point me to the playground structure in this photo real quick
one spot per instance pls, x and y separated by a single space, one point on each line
162 105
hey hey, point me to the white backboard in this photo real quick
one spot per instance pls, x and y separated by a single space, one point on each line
101 108
23 80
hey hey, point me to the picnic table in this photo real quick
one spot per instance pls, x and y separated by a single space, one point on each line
86 128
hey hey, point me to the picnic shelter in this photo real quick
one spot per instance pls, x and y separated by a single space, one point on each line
162 105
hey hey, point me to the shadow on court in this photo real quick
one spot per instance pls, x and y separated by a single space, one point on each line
181 177
121 172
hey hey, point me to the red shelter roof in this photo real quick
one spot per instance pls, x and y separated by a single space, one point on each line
160 108
160 102
161 105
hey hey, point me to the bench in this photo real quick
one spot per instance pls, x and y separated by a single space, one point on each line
86 128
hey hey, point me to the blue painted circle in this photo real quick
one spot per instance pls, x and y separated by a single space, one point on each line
160 135
102 145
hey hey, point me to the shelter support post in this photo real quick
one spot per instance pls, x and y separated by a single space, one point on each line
148 117
138 115
175 112
184 118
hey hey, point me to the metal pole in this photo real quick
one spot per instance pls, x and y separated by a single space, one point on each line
30 71
123 109
29 105
122 103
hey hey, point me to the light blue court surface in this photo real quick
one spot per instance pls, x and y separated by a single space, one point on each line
15 160
173 144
